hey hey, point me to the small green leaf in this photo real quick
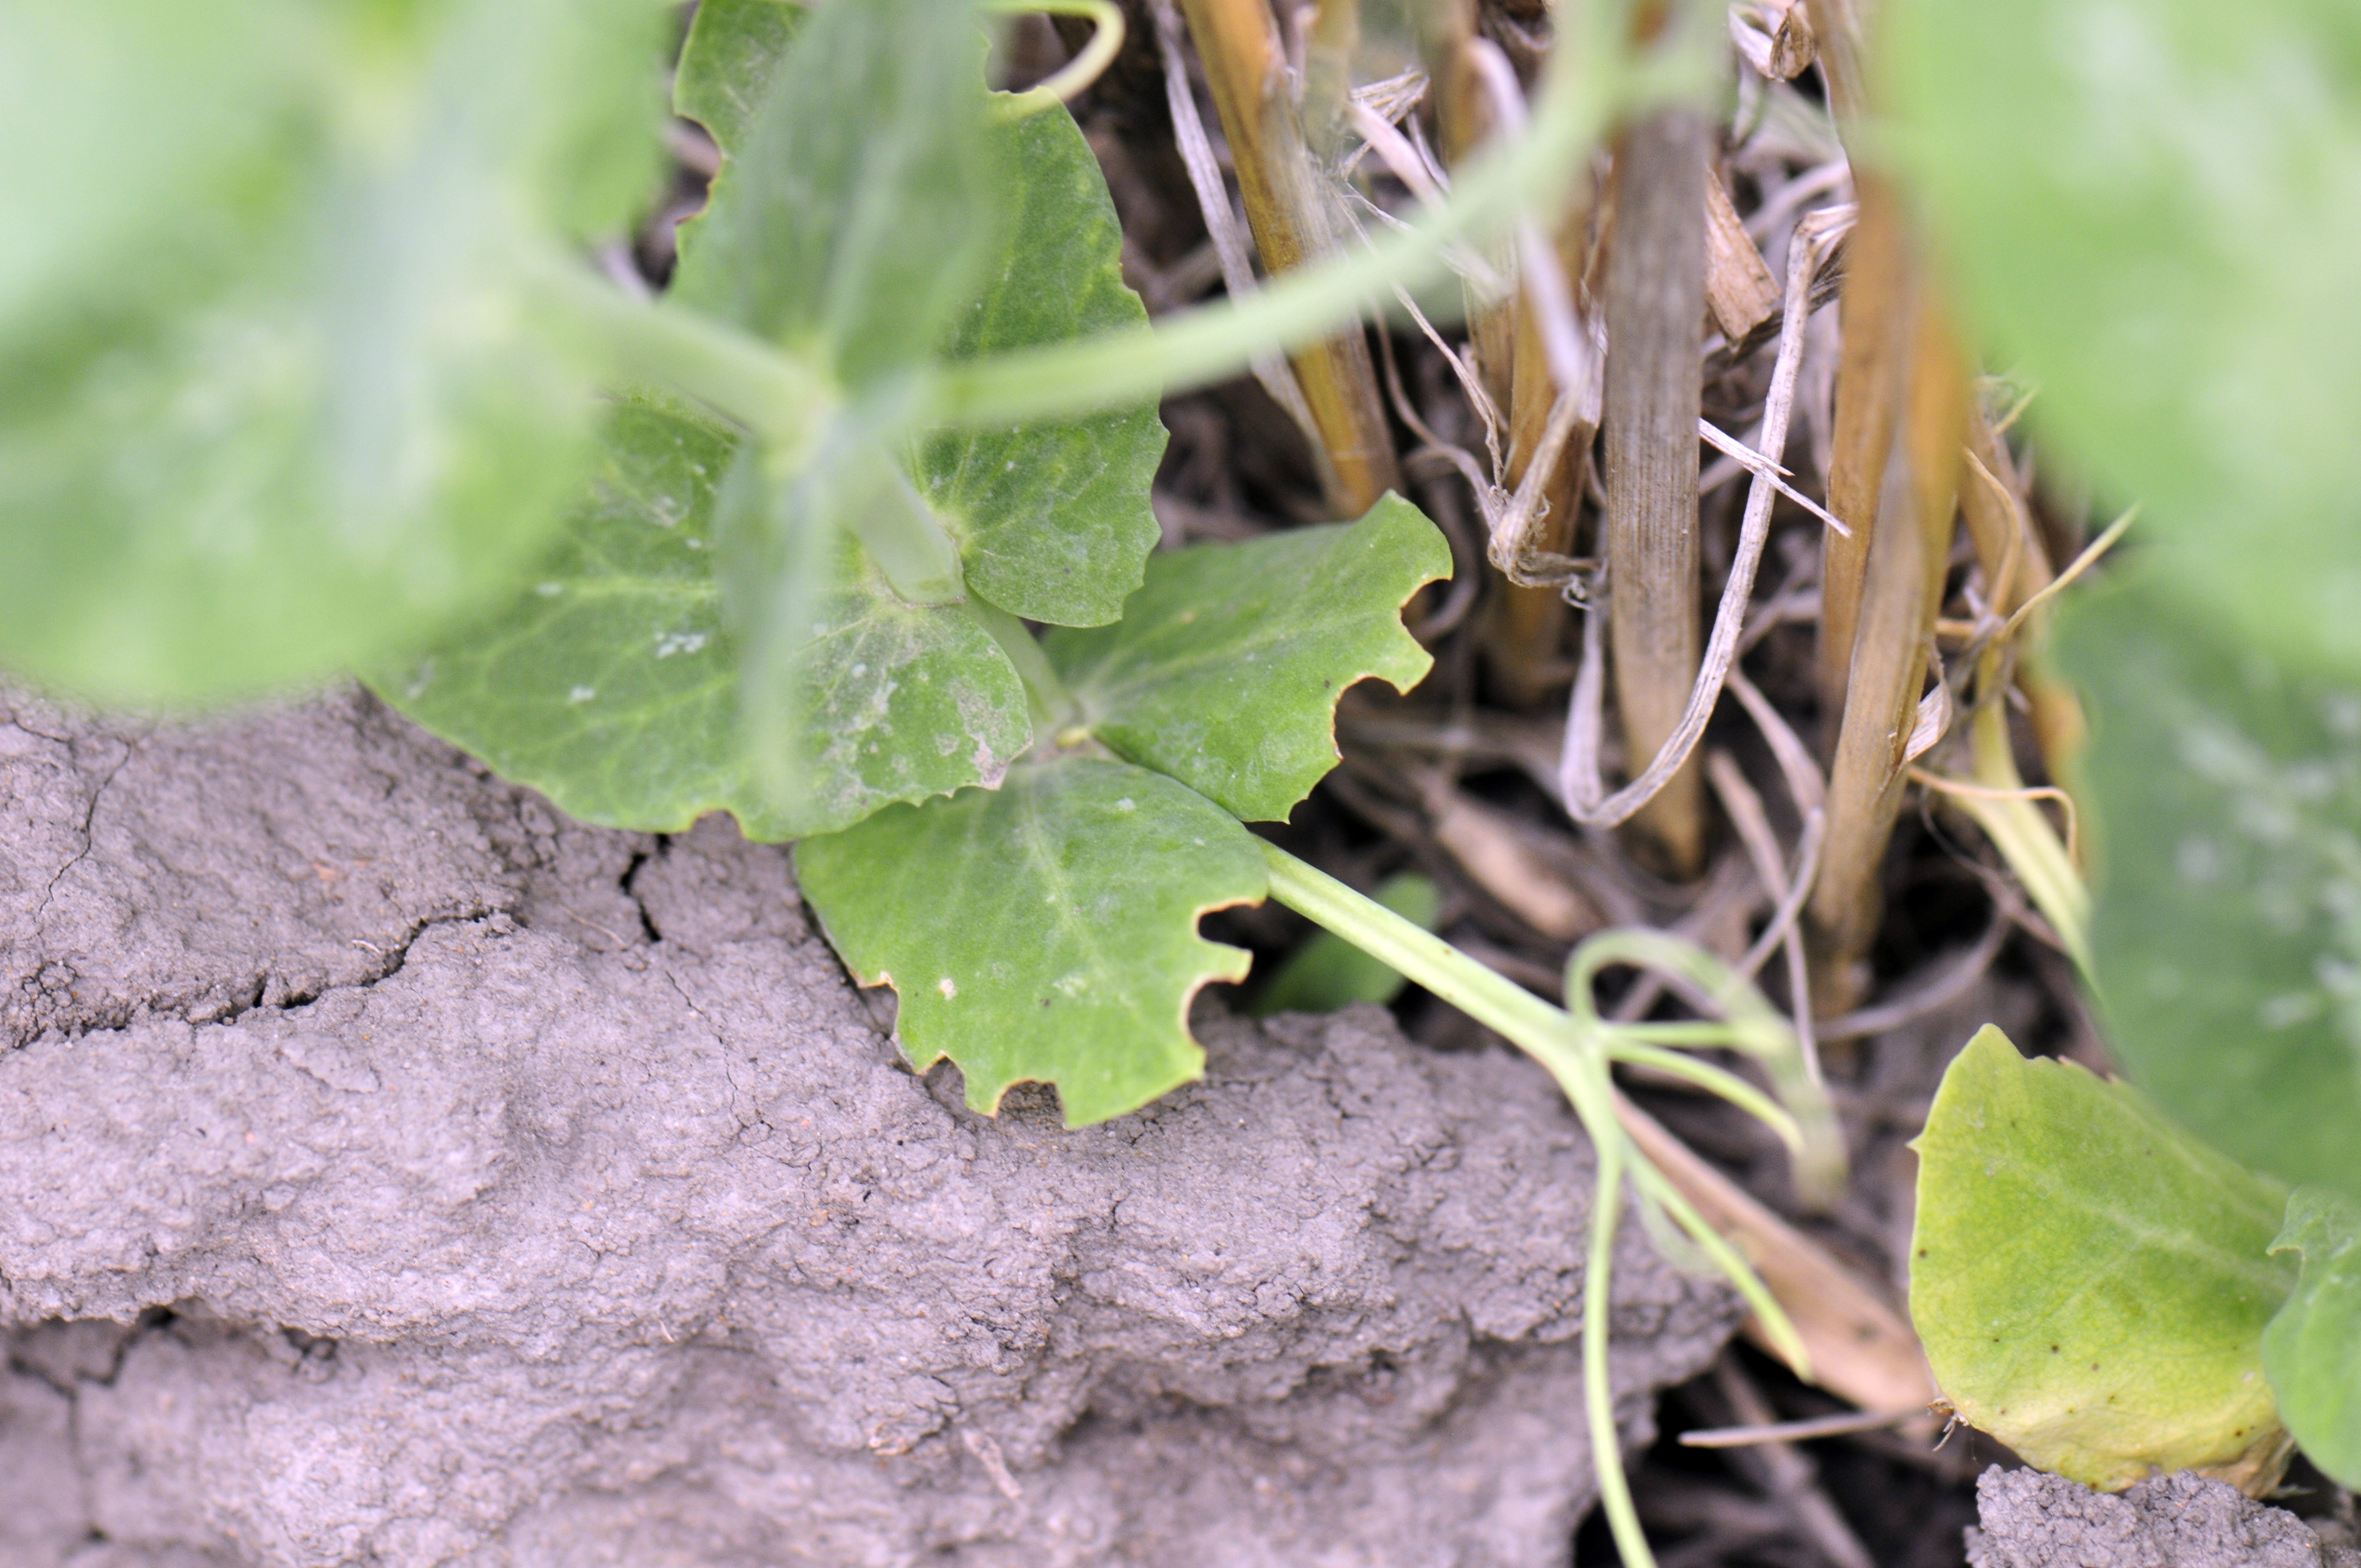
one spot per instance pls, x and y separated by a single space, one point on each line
2312 1349
1225 669
2091 1282
1053 516
731 53
612 683
2226 792
1045 931
1328 973
274 393
852 217
2154 208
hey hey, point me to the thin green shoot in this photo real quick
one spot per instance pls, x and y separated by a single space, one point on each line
782 397
1585 88
1598 1394
1068 81
1714 1081
1750 1025
1576 1047
1657 1188
1054 709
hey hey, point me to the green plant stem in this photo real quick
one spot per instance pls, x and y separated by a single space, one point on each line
783 400
1748 1025
905 538
1584 88
781 396
1054 708
1076 74
1550 1036
1703 1034
1576 1048
1713 1080
1543 1031
1658 1189
1598 1394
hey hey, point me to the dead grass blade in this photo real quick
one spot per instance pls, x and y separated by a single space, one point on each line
1500 853
1579 785
1902 594
1295 217
1871 371
1655 329
1746 814
1775 36
1204 171
1527 630
1788 1477
1836 28
1739 288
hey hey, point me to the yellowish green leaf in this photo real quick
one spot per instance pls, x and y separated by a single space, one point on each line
2091 1282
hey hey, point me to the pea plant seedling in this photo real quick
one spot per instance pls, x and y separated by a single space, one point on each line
897 405
302 372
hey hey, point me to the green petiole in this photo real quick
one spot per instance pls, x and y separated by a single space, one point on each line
1576 1047
781 396
1714 1081
1550 1036
1584 87
1543 1031
1598 1393
1106 41
1054 708
784 398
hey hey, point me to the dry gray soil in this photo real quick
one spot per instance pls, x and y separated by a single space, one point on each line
2032 1521
394 1172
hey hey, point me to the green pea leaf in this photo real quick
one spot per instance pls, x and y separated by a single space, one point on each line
172 112
853 214
727 62
1328 973
274 394
2091 1282
2154 208
612 683
1225 669
2312 1349
1046 931
2225 790
1053 516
